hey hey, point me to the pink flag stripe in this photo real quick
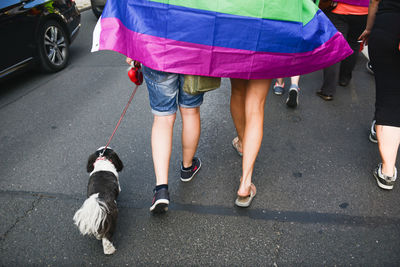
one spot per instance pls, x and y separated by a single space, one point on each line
364 3
187 58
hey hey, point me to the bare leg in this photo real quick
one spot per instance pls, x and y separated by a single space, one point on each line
161 146
388 142
191 128
237 106
256 93
280 81
295 80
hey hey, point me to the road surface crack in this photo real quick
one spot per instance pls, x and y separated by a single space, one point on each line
26 213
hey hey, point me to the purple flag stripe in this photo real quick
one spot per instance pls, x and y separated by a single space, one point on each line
355 2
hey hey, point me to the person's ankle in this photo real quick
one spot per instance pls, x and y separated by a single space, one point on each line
387 171
244 189
161 186
187 166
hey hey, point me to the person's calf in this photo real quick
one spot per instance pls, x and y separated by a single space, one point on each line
191 128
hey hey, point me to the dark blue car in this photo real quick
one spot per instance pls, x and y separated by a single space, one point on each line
36 32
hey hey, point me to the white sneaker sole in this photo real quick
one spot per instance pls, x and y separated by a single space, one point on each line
383 186
191 177
372 139
160 205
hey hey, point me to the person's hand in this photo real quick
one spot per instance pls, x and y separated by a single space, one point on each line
364 37
135 63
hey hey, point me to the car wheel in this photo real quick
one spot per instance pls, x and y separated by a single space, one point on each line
97 10
53 47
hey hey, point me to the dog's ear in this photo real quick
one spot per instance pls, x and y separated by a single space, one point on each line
116 161
91 160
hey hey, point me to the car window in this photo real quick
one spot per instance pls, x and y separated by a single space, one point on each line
6 3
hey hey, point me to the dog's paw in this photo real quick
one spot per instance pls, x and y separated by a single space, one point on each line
108 247
109 250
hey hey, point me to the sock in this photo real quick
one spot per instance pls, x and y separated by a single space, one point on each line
187 169
295 86
161 186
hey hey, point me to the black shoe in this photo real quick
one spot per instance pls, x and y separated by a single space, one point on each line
293 99
188 175
344 81
325 97
160 201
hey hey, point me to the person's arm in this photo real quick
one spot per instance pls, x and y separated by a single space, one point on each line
135 63
373 7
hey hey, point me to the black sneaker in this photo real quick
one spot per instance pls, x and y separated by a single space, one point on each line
372 134
384 181
369 67
160 201
344 80
324 96
293 99
186 176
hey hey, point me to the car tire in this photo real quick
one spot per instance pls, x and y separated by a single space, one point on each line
97 10
53 45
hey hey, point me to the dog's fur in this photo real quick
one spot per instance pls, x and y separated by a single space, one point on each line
98 214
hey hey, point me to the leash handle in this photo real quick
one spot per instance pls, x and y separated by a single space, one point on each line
120 119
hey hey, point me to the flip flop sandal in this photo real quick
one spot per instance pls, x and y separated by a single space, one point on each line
235 144
245 202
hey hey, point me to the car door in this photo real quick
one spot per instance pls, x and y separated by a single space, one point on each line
16 33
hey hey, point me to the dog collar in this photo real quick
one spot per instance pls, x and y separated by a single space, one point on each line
103 159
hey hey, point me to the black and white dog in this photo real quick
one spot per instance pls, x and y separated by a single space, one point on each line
98 214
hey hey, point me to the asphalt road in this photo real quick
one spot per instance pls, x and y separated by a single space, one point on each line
317 202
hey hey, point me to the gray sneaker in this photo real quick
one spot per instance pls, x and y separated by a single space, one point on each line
384 181
372 134
279 89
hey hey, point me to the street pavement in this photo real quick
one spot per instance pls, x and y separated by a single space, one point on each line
317 203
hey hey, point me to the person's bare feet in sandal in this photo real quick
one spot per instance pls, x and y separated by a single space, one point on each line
237 145
244 200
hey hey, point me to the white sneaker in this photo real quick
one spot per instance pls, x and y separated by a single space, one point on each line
384 181
372 134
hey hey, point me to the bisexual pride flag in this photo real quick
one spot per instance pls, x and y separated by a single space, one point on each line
248 39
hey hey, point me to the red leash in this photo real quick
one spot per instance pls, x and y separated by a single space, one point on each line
136 76
122 115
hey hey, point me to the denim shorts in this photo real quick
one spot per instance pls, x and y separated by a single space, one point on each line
165 89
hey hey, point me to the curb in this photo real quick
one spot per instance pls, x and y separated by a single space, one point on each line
82 9
83 5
